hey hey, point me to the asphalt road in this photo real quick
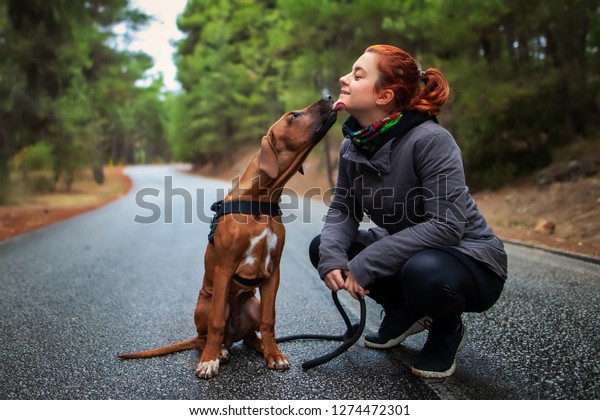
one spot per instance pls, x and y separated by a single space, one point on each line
76 294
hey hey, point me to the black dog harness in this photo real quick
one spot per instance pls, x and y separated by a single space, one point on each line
255 208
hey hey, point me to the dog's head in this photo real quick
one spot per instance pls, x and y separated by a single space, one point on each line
292 137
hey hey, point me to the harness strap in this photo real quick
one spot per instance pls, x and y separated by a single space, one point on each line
255 208
248 282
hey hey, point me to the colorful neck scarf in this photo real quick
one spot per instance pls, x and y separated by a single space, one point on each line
368 138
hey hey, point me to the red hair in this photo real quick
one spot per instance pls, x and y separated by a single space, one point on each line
413 89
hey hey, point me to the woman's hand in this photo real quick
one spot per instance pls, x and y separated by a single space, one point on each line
342 279
334 280
354 288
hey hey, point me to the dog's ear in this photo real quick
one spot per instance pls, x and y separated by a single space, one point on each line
268 158
301 170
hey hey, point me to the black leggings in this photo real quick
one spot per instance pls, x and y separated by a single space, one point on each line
441 283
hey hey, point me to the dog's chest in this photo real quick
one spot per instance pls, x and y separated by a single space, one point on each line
260 251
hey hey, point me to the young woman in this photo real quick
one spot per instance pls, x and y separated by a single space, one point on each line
432 256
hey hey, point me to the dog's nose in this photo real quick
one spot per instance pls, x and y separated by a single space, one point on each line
328 98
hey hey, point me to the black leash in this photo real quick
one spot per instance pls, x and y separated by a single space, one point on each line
351 336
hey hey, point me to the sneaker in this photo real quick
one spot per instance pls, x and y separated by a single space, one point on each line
394 329
438 357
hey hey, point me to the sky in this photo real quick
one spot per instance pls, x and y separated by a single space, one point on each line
155 38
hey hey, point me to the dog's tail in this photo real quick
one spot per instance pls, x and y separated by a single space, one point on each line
193 343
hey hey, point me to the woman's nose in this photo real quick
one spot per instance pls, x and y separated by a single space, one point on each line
344 79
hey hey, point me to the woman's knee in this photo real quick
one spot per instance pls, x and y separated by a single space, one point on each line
432 281
424 272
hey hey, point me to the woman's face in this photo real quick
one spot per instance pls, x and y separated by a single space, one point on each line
358 87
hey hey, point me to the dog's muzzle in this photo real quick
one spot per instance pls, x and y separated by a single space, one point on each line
328 117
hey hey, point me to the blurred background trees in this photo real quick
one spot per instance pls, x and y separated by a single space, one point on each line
524 77
68 96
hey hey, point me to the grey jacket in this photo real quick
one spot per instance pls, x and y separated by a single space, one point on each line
413 189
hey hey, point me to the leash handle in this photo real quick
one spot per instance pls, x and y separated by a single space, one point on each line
356 331
340 308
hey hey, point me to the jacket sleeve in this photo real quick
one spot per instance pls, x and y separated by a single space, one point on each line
341 222
438 164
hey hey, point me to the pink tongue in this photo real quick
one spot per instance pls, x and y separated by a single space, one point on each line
339 106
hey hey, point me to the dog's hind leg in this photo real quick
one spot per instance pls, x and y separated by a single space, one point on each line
244 321
252 340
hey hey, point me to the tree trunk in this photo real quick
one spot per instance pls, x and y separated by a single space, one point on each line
566 45
4 178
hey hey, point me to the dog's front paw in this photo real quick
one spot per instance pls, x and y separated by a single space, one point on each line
278 362
207 370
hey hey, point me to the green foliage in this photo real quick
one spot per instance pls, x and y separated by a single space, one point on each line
36 164
523 75
243 63
520 77
65 85
38 157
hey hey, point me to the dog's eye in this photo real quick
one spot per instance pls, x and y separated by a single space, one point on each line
294 115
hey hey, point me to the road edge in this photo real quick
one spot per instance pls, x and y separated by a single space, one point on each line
580 257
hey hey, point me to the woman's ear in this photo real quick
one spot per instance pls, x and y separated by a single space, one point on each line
384 97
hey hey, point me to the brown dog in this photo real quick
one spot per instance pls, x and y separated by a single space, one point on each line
247 249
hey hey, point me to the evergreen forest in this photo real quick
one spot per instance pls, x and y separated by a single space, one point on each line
524 77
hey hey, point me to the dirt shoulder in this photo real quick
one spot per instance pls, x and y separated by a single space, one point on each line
44 209
562 216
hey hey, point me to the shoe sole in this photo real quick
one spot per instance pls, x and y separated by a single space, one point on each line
434 375
428 374
417 327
